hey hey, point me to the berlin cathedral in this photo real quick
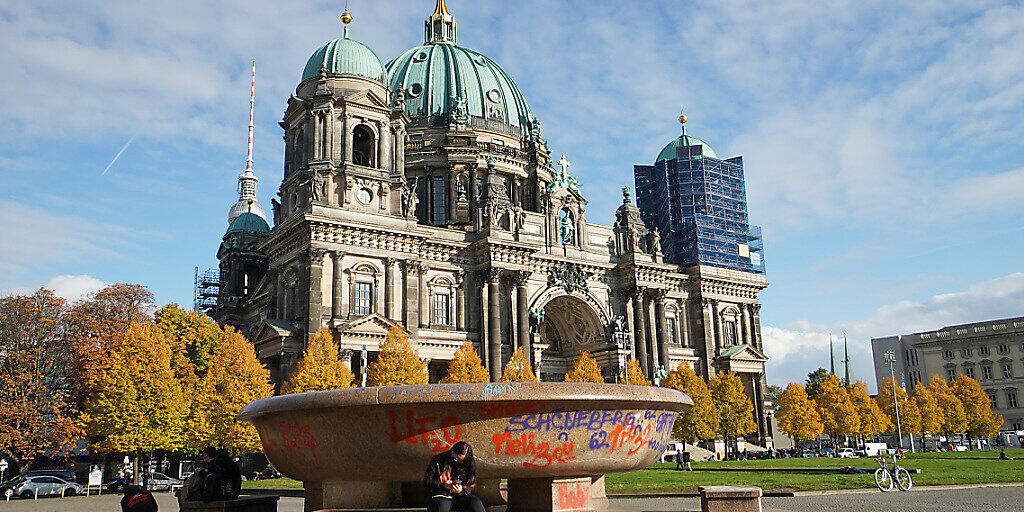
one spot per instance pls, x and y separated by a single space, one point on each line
422 195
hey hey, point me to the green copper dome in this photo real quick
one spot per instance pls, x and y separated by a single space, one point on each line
669 152
248 223
344 56
437 77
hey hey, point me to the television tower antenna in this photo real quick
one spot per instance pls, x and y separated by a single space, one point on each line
252 103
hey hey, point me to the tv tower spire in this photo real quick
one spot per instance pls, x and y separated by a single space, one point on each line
247 180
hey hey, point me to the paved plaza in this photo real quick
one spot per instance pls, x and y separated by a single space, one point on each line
974 499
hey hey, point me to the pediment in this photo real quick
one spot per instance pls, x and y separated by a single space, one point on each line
271 329
369 97
743 353
373 325
567 194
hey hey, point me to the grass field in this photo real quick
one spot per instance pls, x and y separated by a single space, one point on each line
936 469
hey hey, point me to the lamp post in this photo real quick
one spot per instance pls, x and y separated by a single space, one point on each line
890 357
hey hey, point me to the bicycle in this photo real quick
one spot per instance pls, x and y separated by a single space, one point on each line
885 476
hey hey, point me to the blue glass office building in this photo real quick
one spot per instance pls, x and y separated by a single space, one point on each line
699 204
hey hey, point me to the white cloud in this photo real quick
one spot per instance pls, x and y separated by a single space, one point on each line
797 349
74 288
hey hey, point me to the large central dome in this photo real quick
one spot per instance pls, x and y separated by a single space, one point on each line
440 76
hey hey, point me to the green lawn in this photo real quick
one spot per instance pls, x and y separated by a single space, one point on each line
937 469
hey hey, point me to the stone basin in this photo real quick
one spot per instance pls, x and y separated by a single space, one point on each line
531 432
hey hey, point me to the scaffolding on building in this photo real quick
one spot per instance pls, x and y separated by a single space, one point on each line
205 291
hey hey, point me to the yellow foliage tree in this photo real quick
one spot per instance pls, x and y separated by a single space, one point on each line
466 367
928 408
735 410
235 378
136 403
838 413
397 363
954 419
635 376
798 415
872 419
320 367
584 370
701 420
978 408
518 368
910 415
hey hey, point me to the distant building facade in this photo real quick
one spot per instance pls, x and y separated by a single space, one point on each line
422 196
698 203
990 352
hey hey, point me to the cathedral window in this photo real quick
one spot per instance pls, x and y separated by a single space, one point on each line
670 329
362 296
364 147
440 310
730 332
439 202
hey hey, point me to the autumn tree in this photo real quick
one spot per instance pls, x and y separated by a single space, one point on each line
928 409
136 404
584 370
735 410
954 419
36 386
320 368
466 367
981 422
798 414
95 323
195 336
910 415
635 376
838 413
700 421
518 369
236 378
872 419
397 363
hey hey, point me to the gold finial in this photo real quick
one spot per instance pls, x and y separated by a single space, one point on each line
682 116
441 9
346 18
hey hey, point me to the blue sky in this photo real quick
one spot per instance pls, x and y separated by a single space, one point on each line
882 141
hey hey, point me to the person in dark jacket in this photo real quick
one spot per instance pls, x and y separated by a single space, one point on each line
232 473
137 499
449 481
216 480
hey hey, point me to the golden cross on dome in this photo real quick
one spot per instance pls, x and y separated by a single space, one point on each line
346 18
682 116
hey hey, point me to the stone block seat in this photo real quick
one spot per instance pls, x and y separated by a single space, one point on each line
730 498
242 504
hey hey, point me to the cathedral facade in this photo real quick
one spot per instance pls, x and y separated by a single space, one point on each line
422 195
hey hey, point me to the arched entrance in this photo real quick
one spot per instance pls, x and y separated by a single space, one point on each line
570 326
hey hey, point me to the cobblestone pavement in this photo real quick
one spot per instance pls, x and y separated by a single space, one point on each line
977 499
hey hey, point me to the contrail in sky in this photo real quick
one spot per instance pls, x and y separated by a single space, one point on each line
117 155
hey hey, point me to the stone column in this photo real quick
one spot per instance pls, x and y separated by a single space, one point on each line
336 289
485 352
684 322
347 125
719 332
649 327
389 290
756 325
411 270
708 321
494 322
659 325
639 337
381 145
460 301
521 279
423 298
748 333
280 293
314 306
400 152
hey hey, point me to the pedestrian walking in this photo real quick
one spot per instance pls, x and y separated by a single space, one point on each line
449 481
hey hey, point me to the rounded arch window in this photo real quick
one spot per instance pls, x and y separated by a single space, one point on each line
364 146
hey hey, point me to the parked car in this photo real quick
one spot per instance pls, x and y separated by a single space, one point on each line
7 488
44 485
63 474
162 482
846 453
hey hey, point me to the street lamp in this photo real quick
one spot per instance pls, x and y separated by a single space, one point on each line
890 357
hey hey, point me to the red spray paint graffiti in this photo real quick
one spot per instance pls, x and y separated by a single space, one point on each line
571 495
298 436
438 433
543 454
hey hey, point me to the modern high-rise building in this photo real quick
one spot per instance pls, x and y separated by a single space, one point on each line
698 202
990 352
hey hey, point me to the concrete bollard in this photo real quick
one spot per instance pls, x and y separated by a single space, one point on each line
730 498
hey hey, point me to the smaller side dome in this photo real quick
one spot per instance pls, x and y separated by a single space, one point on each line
669 152
344 56
249 224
